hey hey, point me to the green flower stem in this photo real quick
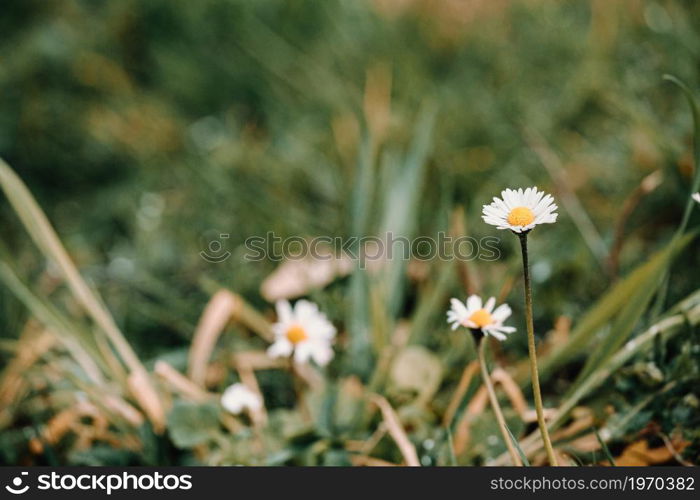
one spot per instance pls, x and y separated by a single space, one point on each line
534 373
495 405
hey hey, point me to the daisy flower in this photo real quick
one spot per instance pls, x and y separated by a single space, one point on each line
304 331
696 197
520 210
239 398
478 316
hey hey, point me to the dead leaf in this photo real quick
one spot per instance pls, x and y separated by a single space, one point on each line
396 431
295 278
462 388
216 315
181 384
639 454
144 393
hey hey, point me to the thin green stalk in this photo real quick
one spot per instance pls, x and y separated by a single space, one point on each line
532 350
695 185
495 405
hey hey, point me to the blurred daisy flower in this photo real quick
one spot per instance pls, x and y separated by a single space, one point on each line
520 210
478 316
239 398
304 331
696 197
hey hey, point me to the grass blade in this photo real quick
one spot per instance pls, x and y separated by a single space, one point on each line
359 352
695 185
665 327
605 448
523 457
45 237
632 311
54 321
451 445
400 206
695 110
602 313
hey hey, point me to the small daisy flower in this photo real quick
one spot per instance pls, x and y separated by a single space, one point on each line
520 210
304 331
478 316
238 398
696 197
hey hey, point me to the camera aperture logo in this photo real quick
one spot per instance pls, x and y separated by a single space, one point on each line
216 251
102 482
16 488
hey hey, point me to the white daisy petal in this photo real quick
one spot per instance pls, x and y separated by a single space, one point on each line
321 354
536 198
502 312
282 348
696 197
510 198
305 310
473 303
497 335
284 311
302 352
239 398
458 307
499 204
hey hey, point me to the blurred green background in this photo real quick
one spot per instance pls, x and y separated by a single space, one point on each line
147 129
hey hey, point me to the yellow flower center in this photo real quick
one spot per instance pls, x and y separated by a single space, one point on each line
296 334
481 318
521 216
